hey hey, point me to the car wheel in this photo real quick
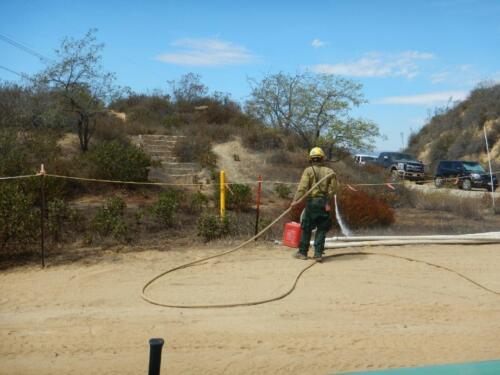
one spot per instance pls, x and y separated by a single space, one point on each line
466 184
439 182
491 189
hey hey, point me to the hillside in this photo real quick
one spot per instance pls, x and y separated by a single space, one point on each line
457 132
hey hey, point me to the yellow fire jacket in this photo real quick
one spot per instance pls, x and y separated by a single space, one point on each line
313 174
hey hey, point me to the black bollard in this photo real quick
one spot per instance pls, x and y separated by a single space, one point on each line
155 347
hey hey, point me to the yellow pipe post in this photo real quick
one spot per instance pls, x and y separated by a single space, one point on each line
222 195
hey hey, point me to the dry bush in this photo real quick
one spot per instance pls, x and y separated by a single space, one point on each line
437 201
361 210
217 133
287 158
358 210
196 149
111 128
262 138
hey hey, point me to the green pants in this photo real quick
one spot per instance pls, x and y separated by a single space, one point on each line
315 216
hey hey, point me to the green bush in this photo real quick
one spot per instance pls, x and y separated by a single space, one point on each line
117 161
165 208
22 153
61 218
238 197
211 226
198 203
173 121
19 221
283 191
110 219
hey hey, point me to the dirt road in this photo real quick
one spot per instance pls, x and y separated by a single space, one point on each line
349 313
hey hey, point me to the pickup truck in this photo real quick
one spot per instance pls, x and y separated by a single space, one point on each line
402 166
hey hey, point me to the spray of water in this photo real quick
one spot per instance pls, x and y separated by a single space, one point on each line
345 231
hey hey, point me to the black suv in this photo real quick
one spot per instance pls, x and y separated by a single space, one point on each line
466 174
401 165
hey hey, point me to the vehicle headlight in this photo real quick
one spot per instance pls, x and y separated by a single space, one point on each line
401 166
476 176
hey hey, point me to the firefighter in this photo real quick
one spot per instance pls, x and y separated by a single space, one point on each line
318 206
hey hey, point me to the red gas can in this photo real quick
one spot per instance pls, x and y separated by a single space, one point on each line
291 234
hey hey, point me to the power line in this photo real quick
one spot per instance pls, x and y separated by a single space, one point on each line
23 75
24 48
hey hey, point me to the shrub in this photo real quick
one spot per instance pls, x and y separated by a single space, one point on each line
110 219
144 109
165 208
283 191
116 161
198 203
260 138
22 153
110 129
361 210
221 110
196 149
174 121
211 226
19 221
60 218
238 197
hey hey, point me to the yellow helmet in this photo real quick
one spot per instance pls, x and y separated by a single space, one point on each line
316 153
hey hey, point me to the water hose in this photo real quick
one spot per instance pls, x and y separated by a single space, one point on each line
240 246
341 242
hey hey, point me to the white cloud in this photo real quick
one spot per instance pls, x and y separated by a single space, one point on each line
432 98
207 52
377 64
440 76
461 74
318 43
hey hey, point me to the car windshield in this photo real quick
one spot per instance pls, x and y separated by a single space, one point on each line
403 157
474 168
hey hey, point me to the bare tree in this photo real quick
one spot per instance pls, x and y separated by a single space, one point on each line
316 107
77 78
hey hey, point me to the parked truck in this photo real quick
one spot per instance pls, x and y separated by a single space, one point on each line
402 166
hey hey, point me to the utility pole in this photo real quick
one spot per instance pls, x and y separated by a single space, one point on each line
489 162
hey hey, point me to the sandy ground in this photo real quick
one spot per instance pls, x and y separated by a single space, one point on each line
349 313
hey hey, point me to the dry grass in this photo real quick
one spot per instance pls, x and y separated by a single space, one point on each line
471 208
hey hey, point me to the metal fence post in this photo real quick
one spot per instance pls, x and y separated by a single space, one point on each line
42 212
257 212
155 347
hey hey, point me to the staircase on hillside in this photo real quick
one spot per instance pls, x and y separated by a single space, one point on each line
170 169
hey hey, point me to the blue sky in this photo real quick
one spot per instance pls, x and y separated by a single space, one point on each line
410 56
